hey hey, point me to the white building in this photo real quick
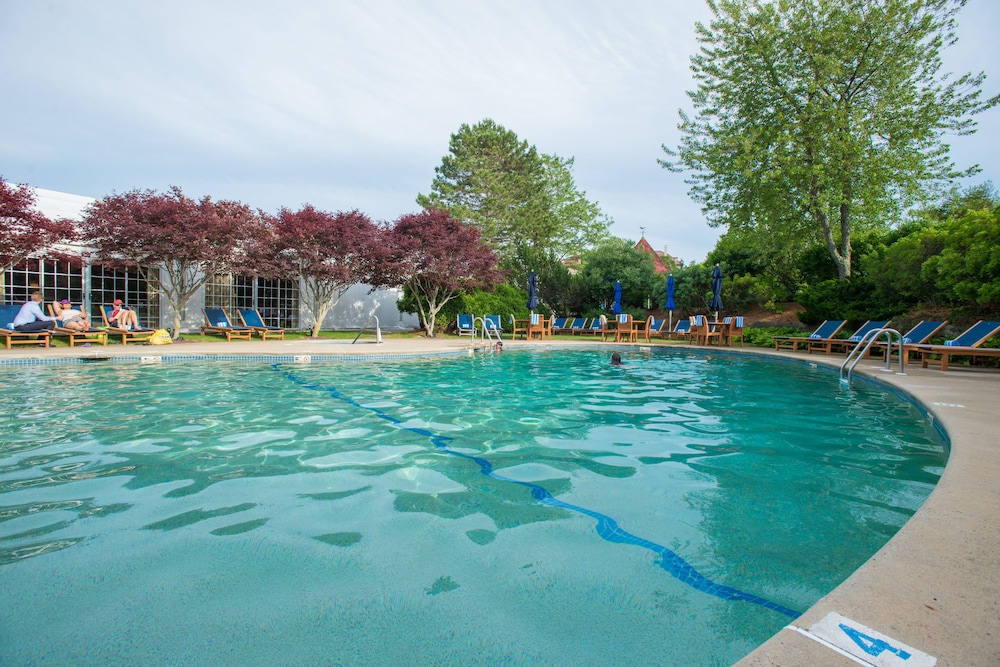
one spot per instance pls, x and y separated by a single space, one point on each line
95 285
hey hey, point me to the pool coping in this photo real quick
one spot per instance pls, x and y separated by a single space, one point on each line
935 586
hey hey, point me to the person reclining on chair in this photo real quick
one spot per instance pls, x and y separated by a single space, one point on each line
69 317
31 318
121 317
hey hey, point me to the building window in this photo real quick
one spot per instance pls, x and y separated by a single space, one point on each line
276 300
140 295
55 279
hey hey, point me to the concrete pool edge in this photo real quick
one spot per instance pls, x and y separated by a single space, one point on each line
935 586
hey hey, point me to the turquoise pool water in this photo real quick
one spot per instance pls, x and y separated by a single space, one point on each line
535 507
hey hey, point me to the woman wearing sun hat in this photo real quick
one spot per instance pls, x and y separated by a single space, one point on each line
69 317
122 317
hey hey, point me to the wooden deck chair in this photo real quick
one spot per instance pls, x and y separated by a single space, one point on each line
682 330
536 325
251 318
88 335
13 337
655 327
217 323
732 329
920 334
830 344
702 332
559 325
827 329
133 335
624 328
518 327
966 345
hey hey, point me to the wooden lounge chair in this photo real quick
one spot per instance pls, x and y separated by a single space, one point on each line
703 332
217 322
12 337
466 325
578 325
133 335
829 345
918 335
682 330
827 329
966 345
251 318
88 335
559 325
655 327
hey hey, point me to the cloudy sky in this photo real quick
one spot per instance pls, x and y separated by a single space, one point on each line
351 104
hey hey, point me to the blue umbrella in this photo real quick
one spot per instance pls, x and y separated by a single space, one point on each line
532 287
716 302
670 302
616 307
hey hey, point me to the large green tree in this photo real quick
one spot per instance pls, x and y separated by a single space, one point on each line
520 200
818 118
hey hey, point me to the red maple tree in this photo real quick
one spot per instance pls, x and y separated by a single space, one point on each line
330 252
24 231
189 240
436 257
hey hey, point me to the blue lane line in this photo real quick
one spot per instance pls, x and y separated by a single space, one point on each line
607 528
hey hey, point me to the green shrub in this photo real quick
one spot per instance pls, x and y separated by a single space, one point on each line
764 336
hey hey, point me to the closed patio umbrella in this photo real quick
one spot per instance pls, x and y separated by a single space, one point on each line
616 307
716 303
670 302
532 289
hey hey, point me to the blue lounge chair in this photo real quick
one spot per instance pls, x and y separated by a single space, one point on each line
967 345
829 345
492 323
918 335
251 318
681 330
827 329
466 325
560 325
136 334
217 322
7 314
577 325
655 327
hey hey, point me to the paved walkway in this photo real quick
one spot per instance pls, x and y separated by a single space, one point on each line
933 589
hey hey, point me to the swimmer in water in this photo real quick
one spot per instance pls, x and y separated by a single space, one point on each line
616 359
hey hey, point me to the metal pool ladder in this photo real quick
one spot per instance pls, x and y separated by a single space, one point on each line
488 333
378 331
861 349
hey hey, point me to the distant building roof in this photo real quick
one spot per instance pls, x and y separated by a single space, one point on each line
662 261
55 205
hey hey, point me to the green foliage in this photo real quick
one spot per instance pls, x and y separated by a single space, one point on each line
693 289
853 300
815 120
617 259
764 336
741 293
522 201
505 301
968 266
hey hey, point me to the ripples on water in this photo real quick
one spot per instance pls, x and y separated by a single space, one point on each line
254 514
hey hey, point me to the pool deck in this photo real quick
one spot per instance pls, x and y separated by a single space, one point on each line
934 587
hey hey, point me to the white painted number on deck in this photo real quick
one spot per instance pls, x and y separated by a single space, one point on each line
871 645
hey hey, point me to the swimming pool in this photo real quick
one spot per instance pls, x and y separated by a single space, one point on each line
531 507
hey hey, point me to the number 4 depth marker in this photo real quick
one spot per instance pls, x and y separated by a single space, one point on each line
864 645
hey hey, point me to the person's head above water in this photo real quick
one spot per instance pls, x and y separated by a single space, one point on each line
616 359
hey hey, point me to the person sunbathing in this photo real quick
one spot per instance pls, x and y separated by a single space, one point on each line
123 318
69 317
